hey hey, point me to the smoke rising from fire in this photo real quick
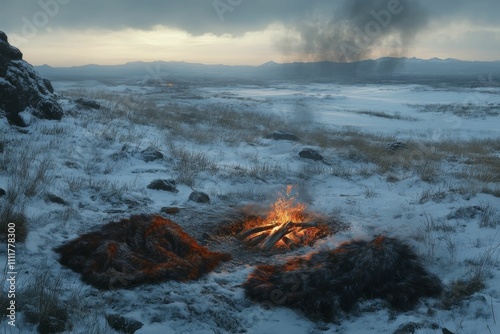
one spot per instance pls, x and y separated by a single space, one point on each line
356 30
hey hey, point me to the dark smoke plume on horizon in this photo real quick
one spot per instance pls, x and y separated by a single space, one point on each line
356 30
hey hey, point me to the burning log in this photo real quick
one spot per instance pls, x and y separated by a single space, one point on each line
255 240
285 226
267 236
245 234
275 236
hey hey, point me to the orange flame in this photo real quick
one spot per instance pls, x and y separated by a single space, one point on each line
286 220
286 209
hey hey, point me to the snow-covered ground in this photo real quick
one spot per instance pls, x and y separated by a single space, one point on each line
446 208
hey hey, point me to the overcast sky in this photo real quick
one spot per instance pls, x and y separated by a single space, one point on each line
76 32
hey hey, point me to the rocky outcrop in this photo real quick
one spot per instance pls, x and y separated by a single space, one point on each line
23 92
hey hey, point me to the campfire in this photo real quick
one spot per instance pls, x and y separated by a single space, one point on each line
287 225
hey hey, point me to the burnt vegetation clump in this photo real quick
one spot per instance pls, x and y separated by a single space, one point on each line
327 282
141 249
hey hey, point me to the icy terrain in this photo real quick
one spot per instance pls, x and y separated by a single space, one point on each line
440 192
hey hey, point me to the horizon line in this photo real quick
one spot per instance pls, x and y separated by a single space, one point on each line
268 62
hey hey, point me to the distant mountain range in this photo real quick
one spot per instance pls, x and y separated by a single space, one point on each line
380 69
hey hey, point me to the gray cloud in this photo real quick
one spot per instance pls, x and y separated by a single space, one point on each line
194 16
481 12
319 29
201 16
357 29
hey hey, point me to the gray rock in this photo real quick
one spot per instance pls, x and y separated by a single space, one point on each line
412 327
408 328
122 324
199 197
55 199
2 192
398 145
88 103
280 135
309 153
151 154
54 322
170 210
166 185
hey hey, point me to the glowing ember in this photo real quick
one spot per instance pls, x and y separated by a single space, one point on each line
286 226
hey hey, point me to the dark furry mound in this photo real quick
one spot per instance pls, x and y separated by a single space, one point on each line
142 249
323 283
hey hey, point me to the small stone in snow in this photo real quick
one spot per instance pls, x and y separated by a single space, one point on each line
122 324
88 103
398 145
308 153
171 210
55 199
199 197
280 135
151 154
166 185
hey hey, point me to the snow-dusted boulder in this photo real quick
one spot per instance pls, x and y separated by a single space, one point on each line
23 92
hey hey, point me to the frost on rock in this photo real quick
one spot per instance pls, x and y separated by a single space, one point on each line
22 89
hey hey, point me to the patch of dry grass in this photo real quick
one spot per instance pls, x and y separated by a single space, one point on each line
479 269
460 290
189 164
382 114
202 124
465 110
46 305
29 172
13 216
477 159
